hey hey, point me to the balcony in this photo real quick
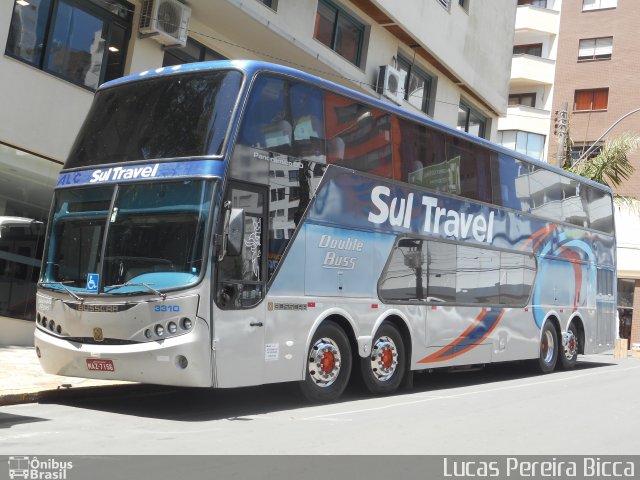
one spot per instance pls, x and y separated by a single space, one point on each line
537 19
528 70
526 119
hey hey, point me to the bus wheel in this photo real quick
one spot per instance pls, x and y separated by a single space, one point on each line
383 369
569 352
548 349
328 364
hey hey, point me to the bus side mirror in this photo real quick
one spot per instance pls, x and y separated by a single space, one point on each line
235 234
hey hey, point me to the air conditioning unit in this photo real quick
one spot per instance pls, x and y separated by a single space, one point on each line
166 21
391 83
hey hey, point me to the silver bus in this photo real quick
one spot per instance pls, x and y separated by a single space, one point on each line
239 223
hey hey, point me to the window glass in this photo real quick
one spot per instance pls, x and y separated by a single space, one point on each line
442 259
358 136
574 203
469 165
339 31
82 42
524 99
534 49
471 121
164 117
417 85
27 30
517 272
78 46
405 278
477 275
156 234
420 159
510 179
600 208
192 52
546 193
598 4
240 277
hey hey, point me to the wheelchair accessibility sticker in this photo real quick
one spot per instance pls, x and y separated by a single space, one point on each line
92 282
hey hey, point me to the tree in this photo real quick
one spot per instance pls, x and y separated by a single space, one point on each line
611 166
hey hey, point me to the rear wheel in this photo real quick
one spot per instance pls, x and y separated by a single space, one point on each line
548 349
383 369
328 364
570 345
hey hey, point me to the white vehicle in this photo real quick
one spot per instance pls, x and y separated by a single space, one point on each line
239 223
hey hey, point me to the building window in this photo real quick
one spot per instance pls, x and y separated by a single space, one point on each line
598 4
339 31
524 99
272 4
594 99
527 143
533 3
83 42
578 150
26 189
192 52
464 4
595 48
471 121
445 3
534 49
418 86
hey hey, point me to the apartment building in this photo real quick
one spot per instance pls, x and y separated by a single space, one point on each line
55 53
527 125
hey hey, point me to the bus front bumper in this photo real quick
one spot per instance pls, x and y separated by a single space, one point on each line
184 360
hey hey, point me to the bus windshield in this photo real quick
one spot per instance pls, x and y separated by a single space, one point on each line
167 117
152 236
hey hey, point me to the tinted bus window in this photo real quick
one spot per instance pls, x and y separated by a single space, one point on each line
510 179
358 136
470 167
419 157
600 207
166 117
546 193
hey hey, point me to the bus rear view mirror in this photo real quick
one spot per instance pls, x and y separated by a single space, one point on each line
235 234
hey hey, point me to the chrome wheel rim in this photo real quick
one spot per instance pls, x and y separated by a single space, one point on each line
384 359
324 362
570 345
547 347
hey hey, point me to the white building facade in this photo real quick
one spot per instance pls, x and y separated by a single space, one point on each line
529 117
453 54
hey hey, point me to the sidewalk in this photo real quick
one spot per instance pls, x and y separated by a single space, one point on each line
22 380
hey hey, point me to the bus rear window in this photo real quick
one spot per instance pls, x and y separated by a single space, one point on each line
170 116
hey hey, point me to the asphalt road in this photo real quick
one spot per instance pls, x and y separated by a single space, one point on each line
503 409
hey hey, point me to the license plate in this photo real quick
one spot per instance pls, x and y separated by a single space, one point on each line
100 365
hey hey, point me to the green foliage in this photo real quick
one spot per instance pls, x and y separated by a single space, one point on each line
612 166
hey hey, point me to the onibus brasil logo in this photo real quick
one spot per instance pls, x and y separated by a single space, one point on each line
36 469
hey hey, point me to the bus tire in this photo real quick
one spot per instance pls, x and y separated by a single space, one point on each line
569 349
548 349
383 369
328 364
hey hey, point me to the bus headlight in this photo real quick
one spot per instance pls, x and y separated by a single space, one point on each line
172 327
159 330
186 324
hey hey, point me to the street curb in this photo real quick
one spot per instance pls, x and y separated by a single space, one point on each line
52 394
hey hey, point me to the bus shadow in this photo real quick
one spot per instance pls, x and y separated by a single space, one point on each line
241 404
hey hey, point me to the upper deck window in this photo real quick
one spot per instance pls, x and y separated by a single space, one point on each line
172 116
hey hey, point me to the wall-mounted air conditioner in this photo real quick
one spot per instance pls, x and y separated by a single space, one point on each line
167 21
391 83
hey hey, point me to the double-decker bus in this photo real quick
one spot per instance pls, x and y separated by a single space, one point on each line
240 223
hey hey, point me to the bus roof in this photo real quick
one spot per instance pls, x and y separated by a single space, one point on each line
251 67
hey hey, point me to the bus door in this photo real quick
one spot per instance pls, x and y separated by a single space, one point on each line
605 309
239 324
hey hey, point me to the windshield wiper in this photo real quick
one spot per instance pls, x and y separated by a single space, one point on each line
62 284
146 285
